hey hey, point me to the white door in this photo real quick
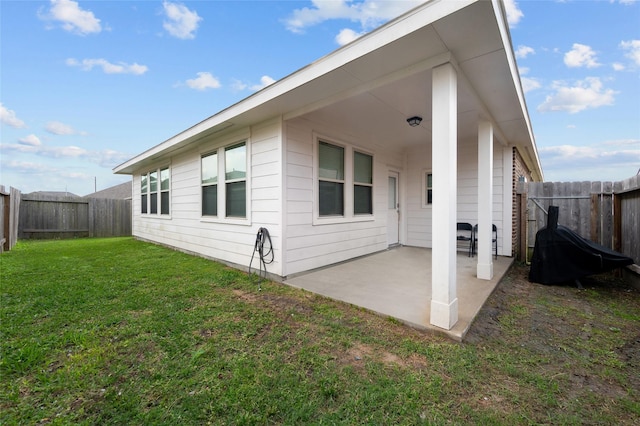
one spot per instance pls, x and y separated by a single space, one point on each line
393 206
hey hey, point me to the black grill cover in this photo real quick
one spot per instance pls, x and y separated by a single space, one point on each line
560 255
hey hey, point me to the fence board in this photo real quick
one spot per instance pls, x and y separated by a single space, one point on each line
46 217
630 224
14 214
608 213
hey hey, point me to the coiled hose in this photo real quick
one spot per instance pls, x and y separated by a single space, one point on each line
264 248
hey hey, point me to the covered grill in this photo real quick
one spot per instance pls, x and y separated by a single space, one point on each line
561 255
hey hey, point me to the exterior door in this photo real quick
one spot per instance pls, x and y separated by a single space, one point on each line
393 210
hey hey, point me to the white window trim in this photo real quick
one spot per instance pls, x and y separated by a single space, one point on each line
348 216
222 184
217 183
159 191
424 188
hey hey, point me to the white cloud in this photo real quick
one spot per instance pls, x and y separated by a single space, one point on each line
617 66
347 35
581 55
514 14
30 140
585 94
204 81
108 67
627 2
524 51
632 48
529 84
238 85
27 166
8 117
58 128
369 13
106 158
265 81
616 158
73 18
182 22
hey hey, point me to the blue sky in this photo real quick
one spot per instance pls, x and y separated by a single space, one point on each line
86 85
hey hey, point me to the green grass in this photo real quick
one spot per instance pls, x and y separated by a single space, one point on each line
117 331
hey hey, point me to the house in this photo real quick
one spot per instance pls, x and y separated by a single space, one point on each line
389 140
117 192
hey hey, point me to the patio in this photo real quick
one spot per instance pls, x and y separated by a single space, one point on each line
397 283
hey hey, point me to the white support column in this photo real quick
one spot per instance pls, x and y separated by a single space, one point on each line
485 200
444 299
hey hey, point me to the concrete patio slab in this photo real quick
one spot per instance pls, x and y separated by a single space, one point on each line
397 283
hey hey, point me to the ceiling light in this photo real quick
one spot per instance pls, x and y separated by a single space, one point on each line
414 121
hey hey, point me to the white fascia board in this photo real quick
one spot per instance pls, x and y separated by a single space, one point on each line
503 26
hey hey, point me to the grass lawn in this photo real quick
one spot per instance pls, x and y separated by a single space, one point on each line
118 331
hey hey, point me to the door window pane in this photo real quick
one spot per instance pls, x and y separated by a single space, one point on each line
392 193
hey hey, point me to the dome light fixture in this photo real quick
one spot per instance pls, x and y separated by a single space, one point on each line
414 121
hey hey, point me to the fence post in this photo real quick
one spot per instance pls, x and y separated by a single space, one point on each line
521 201
6 211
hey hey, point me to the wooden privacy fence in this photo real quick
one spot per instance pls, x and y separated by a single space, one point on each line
9 209
604 212
47 217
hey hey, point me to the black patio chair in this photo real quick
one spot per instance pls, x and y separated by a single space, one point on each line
464 233
494 239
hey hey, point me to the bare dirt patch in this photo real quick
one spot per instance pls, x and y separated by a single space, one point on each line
586 339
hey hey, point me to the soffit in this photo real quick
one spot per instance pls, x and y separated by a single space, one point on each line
370 87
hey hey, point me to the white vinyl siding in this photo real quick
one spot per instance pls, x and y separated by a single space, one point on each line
419 218
230 240
314 241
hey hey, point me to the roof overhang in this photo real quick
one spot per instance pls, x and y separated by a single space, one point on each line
386 73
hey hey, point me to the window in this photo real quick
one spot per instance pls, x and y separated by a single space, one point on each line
235 162
224 182
210 185
331 179
155 191
164 191
427 193
144 188
362 183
